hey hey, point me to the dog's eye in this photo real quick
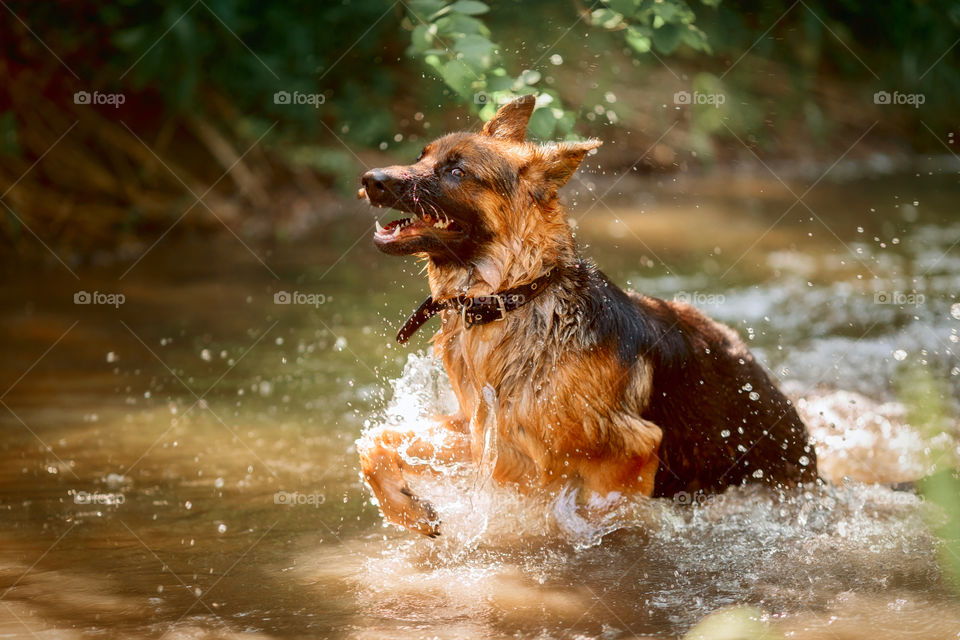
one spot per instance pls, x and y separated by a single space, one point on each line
457 172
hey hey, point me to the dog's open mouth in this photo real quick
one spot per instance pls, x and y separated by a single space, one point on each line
416 225
419 231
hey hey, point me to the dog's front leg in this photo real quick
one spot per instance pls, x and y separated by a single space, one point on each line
384 458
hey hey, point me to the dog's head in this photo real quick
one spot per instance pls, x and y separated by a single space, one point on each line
467 189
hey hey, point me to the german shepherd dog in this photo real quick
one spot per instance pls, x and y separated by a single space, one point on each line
594 388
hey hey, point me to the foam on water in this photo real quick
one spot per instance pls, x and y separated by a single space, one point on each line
857 439
473 508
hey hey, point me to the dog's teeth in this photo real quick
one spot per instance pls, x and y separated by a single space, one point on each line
379 228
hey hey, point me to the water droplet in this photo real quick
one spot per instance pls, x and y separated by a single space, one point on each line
758 473
188 505
205 355
218 483
112 357
900 354
754 395
804 461
222 528
955 310
725 433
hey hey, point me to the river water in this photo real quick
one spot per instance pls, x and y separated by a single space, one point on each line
183 464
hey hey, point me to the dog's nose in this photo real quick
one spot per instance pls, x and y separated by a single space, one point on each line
378 182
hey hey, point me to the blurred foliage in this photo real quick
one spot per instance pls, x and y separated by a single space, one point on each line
734 623
457 45
928 401
365 56
201 80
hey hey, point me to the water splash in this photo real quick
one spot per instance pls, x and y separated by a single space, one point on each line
858 440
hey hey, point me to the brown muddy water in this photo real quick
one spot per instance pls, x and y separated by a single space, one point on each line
183 464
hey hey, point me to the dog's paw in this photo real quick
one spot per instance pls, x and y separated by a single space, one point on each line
419 515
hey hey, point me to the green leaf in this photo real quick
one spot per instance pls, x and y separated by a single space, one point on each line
469 7
434 61
667 38
476 51
733 623
425 9
459 77
487 110
624 7
566 122
499 82
666 11
606 18
421 38
639 39
694 38
457 24
529 77
542 124
129 39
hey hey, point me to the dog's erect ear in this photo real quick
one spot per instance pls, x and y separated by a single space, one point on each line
510 121
561 160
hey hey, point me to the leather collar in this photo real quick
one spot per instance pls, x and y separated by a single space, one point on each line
479 309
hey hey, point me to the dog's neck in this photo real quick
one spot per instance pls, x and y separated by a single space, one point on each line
515 257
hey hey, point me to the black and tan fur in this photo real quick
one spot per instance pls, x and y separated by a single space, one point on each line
595 387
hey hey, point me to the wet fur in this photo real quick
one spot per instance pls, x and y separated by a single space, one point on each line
594 387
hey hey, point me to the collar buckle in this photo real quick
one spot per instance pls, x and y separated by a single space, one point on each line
502 307
466 304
